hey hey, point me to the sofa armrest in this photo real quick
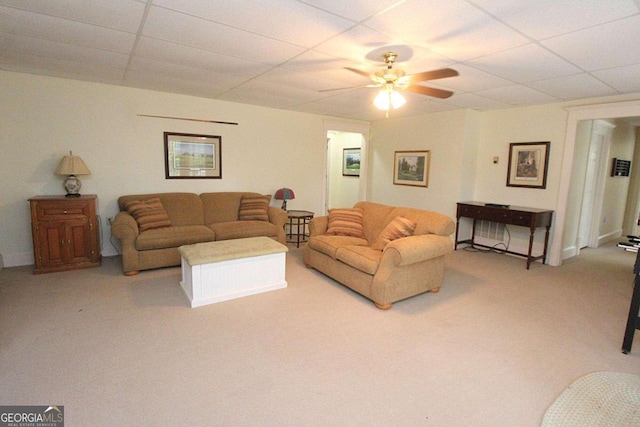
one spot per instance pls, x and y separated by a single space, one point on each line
318 225
277 216
413 249
125 228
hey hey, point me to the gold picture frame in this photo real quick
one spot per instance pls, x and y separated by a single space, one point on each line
192 156
411 168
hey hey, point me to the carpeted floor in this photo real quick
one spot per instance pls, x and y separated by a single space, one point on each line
495 347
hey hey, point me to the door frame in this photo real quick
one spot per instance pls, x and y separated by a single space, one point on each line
575 114
352 127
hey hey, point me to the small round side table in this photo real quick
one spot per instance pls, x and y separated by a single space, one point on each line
299 220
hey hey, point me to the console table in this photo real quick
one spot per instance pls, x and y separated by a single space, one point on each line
513 215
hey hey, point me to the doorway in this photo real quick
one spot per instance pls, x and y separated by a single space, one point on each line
575 115
593 193
346 145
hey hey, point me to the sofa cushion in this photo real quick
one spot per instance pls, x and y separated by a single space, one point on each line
329 245
174 204
149 214
240 229
399 227
362 258
428 222
345 222
254 208
171 237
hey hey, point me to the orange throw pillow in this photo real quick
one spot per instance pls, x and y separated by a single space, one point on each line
346 222
254 208
149 214
399 227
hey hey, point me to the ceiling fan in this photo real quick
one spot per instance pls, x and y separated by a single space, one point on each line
391 79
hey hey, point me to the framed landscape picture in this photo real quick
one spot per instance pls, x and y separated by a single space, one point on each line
192 156
411 168
351 162
528 164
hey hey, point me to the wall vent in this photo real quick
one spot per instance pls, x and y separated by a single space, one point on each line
490 230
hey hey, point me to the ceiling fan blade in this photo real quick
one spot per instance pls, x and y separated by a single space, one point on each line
433 75
429 91
355 70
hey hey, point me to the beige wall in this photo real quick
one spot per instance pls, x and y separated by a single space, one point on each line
42 118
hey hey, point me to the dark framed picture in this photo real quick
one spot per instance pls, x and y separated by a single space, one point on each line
351 162
191 156
411 168
528 164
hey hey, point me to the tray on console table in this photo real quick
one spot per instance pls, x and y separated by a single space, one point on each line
532 218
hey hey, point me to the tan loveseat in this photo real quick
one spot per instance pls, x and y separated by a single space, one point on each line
405 267
193 219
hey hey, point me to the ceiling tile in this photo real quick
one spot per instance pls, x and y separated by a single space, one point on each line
123 15
356 10
10 43
161 50
572 87
524 64
295 22
56 67
452 29
170 26
477 102
548 18
18 22
624 79
217 82
517 95
598 48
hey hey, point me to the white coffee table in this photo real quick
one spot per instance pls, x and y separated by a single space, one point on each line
228 269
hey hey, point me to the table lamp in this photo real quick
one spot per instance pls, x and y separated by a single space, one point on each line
71 166
284 194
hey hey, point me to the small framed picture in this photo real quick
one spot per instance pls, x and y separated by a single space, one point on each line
351 162
191 156
528 164
411 168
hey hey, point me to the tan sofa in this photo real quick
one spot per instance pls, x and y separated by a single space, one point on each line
194 219
406 266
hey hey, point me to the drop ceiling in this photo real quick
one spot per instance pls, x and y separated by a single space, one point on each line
282 53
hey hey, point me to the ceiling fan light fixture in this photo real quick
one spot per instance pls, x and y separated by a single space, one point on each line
389 98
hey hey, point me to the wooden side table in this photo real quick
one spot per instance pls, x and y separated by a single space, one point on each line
65 233
298 219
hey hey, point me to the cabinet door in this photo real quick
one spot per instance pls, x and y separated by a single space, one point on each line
51 249
78 246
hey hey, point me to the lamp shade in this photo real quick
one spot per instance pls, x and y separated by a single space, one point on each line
72 165
284 194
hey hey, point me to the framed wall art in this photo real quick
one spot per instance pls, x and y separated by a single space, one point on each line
351 162
411 168
528 164
191 156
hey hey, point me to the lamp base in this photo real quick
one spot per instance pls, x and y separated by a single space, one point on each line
284 205
72 184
